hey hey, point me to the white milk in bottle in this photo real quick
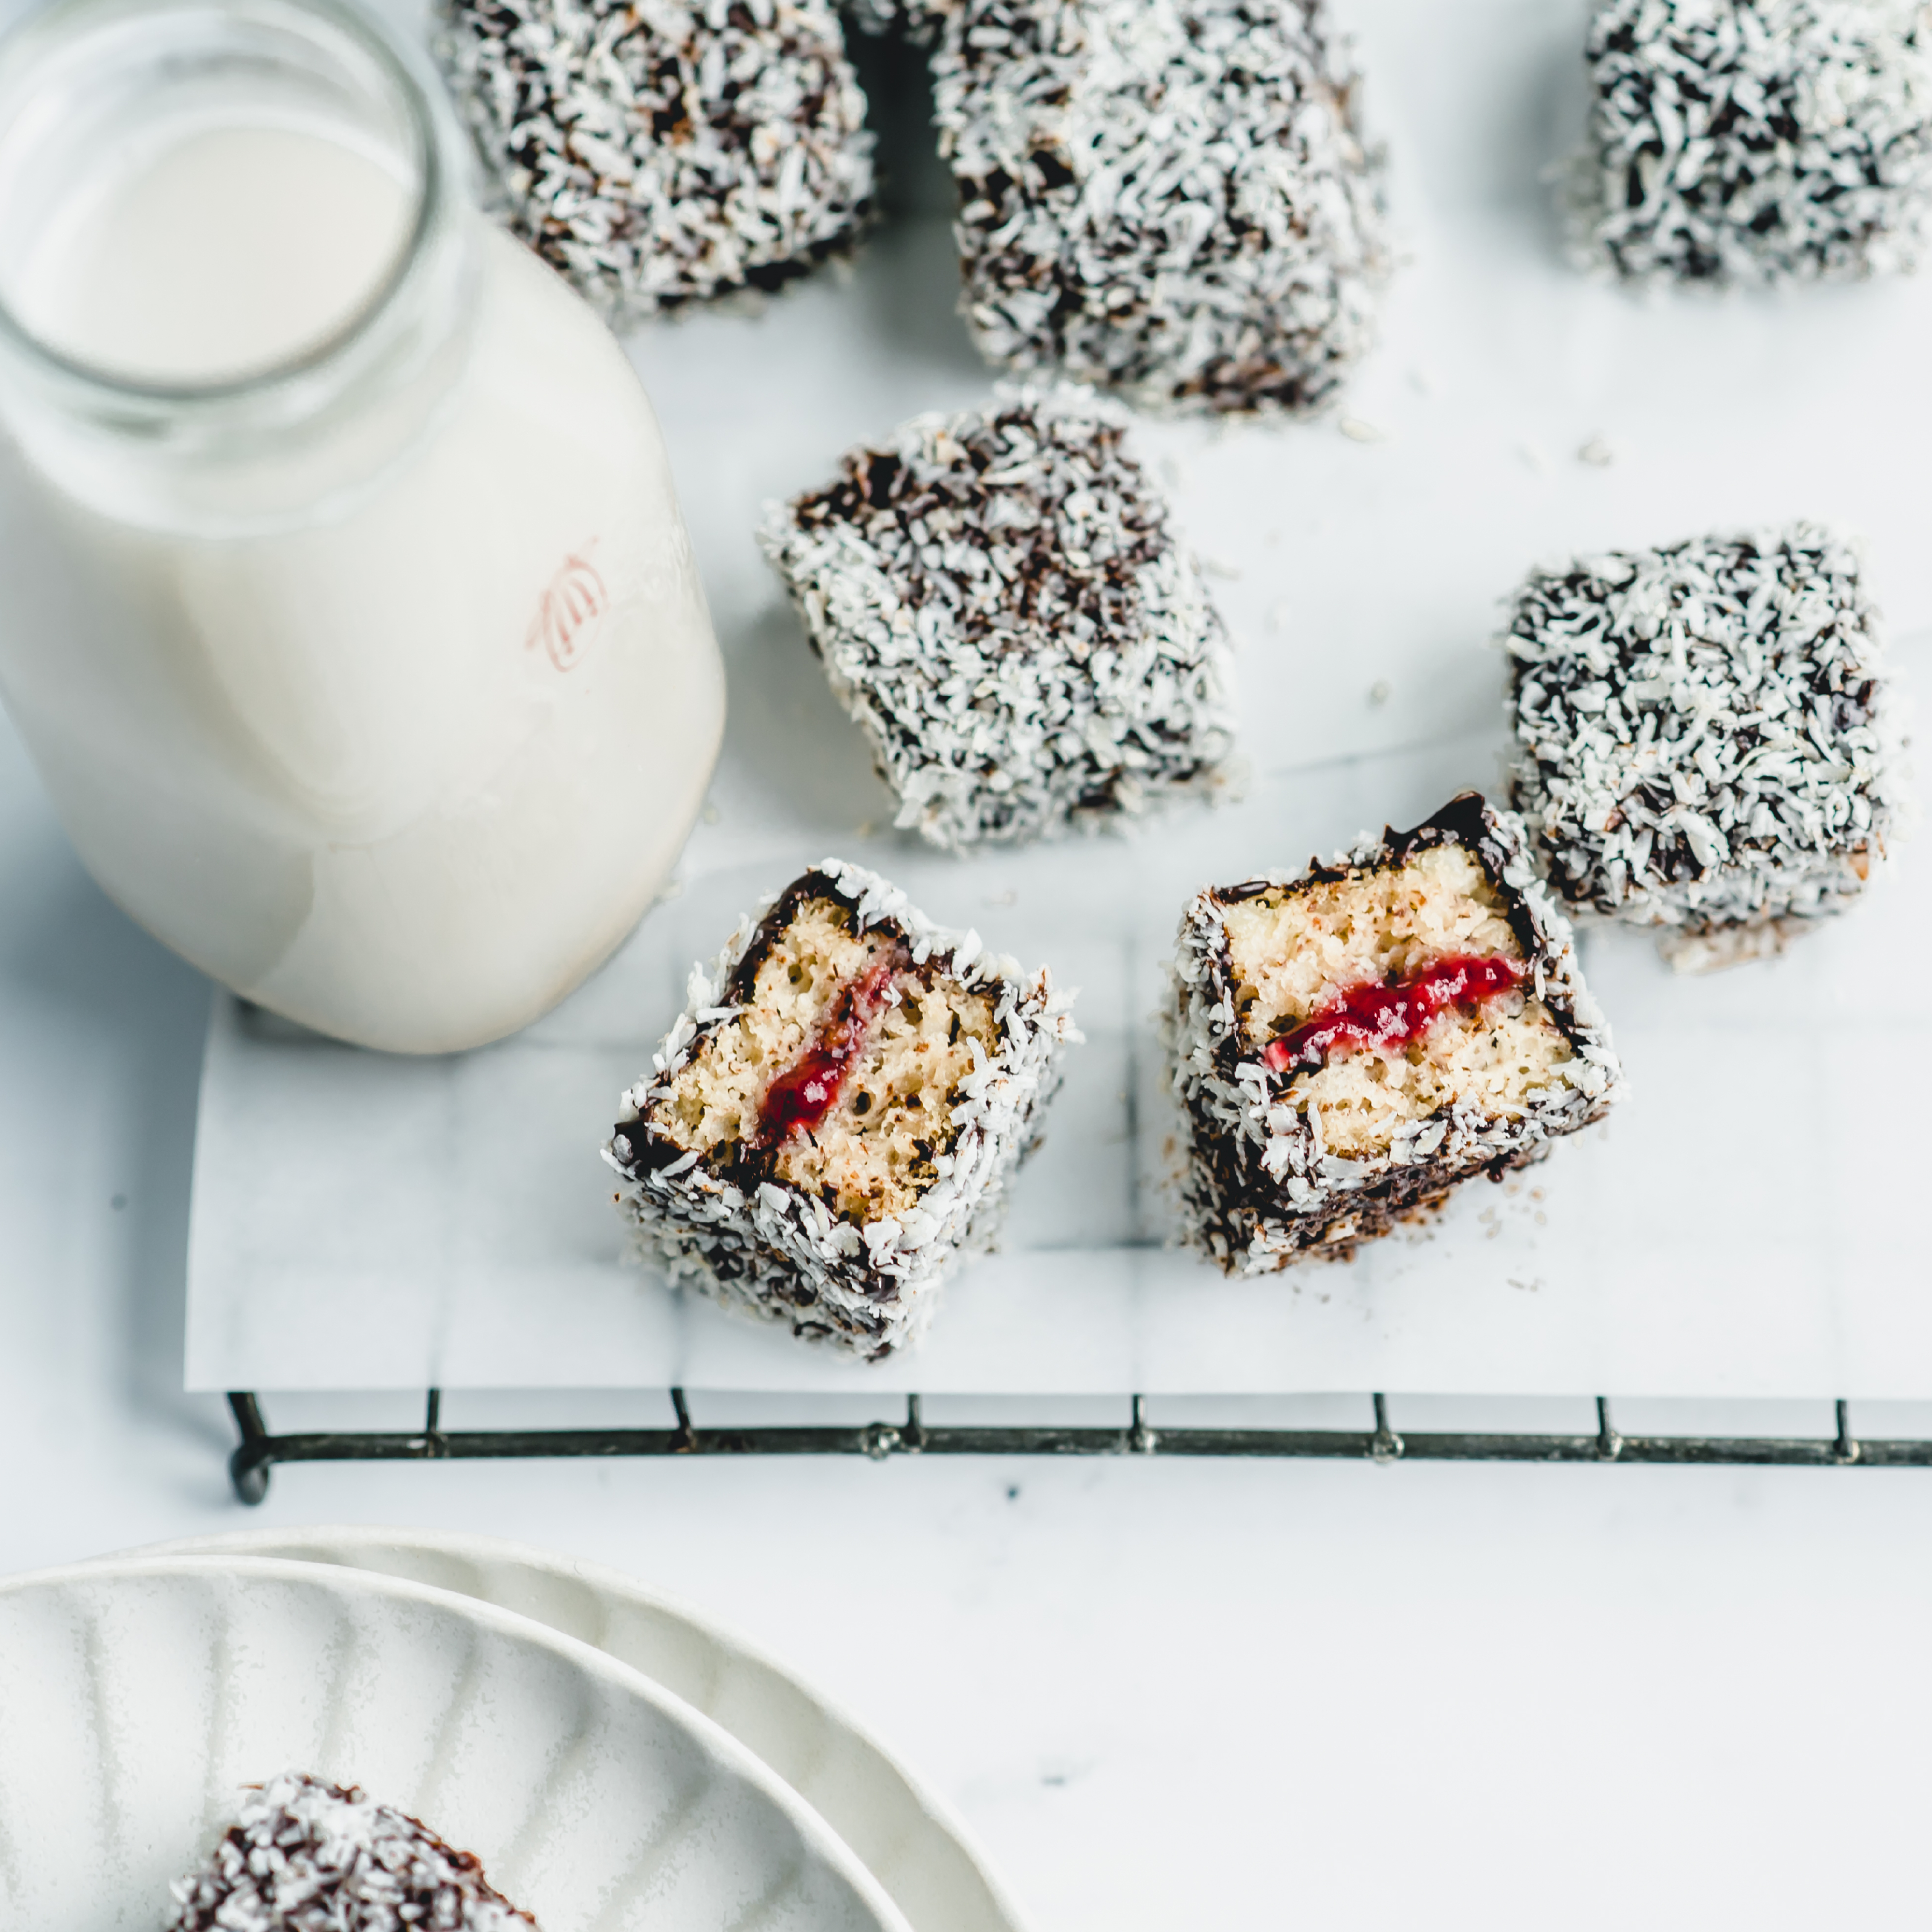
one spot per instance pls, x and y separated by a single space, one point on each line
345 605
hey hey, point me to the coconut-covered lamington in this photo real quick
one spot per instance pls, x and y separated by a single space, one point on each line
663 153
838 1111
1170 198
306 1855
1000 600
1705 738
1755 140
1350 1044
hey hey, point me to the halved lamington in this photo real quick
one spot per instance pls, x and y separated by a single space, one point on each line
837 1113
667 153
1755 140
1705 738
1001 602
1350 1044
306 1855
1171 198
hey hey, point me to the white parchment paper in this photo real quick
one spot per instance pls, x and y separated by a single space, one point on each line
1748 1224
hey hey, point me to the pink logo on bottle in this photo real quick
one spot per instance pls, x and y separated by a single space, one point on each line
570 611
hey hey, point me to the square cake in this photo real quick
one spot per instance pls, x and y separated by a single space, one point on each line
1704 740
1349 1044
1755 140
1170 198
1000 600
837 1111
661 153
306 1855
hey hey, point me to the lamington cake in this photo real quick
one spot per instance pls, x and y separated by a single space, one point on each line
1170 198
308 1856
1000 600
837 1111
1704 741
1755 140
1350 1044
658 154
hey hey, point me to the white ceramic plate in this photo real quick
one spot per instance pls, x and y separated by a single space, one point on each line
910 1840
137 1696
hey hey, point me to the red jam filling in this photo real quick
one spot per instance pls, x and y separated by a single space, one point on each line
808 1090
1390 1016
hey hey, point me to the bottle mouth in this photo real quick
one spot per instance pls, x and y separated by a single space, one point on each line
92 89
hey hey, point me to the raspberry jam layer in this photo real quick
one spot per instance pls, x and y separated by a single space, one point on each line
808 1090
1389 1017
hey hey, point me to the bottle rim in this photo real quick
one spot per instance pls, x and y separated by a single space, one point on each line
413 91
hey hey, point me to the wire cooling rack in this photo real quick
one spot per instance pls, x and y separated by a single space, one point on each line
260 1450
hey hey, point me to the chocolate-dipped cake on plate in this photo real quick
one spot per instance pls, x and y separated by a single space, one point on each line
1705 740
1350 1043
1755 140
305 1855
663 154
1001 602
1170 198
837 1113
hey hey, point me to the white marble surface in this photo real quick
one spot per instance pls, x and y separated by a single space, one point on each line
1166 1694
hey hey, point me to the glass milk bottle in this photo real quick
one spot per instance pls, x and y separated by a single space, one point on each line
345 603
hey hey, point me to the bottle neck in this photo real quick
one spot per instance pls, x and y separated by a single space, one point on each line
237 263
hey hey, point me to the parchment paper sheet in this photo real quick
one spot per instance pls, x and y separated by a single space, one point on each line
1748 1224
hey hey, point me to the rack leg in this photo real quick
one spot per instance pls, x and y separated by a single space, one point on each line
687 1436
1385 1446
248 1467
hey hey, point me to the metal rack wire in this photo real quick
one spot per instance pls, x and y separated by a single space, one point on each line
259 1450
